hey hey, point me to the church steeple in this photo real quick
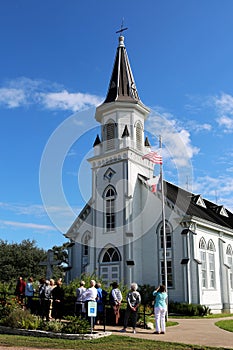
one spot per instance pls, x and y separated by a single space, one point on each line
122 90
122 85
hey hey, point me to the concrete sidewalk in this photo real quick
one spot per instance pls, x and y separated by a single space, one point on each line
202 332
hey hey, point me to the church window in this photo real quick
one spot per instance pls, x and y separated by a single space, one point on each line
168 236
110 135
203 269
170 273
207 255
85 249
111 255
229 254
202 243
211 246
110 196
109 174
212 270
139 135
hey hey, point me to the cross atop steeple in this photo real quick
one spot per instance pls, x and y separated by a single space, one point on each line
122 29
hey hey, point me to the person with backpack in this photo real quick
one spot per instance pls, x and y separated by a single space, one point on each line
133 301
115 299
45 291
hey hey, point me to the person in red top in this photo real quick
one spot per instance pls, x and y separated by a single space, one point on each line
20 290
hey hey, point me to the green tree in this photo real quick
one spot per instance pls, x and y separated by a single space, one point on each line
21 259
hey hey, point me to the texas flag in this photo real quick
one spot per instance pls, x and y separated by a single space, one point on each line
153 182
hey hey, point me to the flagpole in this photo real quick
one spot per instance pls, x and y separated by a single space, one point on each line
163 220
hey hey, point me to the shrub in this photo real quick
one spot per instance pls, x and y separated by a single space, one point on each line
19 318
188 309
75 325
52 326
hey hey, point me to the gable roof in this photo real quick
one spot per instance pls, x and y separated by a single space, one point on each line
187 202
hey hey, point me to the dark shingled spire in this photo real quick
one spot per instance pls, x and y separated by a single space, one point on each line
147 142
122 86
125 132
97 141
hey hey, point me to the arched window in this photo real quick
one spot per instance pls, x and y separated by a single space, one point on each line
207 256
229 254
211 246
202 246
110 134
139 135
111 255
110 196
170 273
85 248
229 250
202 243
211 258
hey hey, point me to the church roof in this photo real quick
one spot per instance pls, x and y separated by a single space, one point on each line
122 85
186 201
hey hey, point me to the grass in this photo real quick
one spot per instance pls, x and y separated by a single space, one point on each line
227 325
112 342
201 317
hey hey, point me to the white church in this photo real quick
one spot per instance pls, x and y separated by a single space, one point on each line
119 233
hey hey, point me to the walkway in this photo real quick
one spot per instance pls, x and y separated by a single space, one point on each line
188 331
202 332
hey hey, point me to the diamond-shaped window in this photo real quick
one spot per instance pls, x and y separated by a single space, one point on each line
109 174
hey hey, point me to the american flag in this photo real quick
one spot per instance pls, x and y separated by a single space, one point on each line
154 157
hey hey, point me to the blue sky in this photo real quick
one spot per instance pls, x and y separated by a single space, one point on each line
56 62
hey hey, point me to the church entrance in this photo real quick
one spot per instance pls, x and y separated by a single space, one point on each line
110 260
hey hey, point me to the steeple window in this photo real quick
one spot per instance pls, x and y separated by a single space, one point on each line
139 135
110 135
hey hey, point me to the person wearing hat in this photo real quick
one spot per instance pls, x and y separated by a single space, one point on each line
115 299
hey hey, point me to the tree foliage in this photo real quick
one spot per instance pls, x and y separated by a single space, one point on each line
21 259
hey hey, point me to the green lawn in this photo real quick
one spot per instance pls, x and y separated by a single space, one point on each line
113 342
227 325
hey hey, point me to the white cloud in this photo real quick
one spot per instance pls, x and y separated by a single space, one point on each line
196 127
224 103
219 190
175 138
226 122
69 101
24 91
27 225
224 108
12 98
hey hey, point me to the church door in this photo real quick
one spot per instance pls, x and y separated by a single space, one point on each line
110 265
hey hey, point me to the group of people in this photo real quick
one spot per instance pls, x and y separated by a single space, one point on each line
133 299
51 296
